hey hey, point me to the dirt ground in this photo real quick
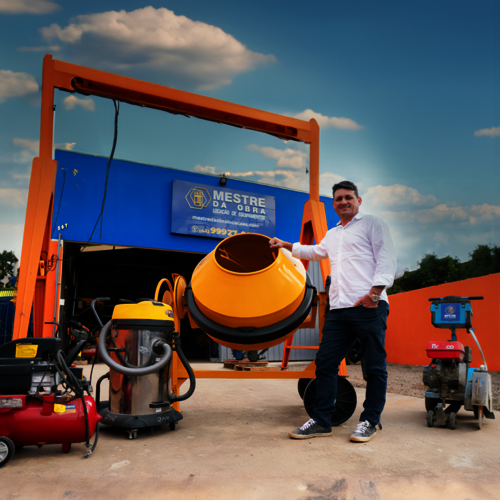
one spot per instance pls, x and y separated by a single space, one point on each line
406 380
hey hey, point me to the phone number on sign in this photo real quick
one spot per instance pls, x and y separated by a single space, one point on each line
214 230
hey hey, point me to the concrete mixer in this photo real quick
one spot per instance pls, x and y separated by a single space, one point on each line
248 297
243 295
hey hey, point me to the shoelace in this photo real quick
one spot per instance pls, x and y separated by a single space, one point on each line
362 426
308 424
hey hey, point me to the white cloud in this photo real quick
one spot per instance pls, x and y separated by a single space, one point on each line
290 179
16 84
29 148
65 145
488 132
206 170
327 121
27 6
286 158
13 197
29 144
12 238
71 101
396 195
41 48
158 39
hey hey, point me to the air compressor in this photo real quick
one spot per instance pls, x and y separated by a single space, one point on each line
452 382
142 337
33 410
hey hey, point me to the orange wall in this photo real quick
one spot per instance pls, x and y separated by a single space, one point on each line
409 325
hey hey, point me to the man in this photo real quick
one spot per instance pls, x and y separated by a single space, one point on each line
363 264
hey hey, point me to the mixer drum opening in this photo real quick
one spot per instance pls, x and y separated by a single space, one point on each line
247 296
246 253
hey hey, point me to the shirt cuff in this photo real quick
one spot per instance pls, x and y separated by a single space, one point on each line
386 280
296 250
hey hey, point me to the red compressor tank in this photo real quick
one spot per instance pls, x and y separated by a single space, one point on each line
30 421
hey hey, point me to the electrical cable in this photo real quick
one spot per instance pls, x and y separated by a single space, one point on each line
60 199
100 217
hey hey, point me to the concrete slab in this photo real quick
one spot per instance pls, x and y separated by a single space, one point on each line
233 443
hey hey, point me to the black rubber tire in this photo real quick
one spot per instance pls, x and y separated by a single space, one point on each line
431 403
452 420
171 426
7 450
301 386
345 404
430 418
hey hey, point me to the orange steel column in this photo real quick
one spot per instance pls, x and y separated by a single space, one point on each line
38 214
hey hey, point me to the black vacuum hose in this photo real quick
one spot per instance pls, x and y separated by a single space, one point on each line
187 366
124 370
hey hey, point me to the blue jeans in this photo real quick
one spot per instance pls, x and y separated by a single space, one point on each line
342 328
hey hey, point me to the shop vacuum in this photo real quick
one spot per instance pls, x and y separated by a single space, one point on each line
33 408
452 382
137 346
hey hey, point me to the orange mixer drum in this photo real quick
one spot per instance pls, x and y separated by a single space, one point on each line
247 296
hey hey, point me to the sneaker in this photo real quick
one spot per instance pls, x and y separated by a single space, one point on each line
364 432
310 429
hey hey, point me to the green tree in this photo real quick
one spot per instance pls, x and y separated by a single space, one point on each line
485 259
7 262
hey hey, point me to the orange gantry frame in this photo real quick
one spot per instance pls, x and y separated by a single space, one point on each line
72 78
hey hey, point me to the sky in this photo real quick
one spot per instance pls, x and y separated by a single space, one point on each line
407 96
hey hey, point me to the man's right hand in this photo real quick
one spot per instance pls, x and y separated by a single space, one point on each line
277 243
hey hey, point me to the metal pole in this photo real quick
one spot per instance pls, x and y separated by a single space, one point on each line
56 301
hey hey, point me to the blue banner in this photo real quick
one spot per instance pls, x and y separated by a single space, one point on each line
219 212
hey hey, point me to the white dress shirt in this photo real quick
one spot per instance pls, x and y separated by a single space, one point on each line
361 255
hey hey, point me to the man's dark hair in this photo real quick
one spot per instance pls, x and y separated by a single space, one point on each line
350 186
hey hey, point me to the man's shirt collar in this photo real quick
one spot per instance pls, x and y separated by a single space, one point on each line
358 216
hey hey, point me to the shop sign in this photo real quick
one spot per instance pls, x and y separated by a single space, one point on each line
219 212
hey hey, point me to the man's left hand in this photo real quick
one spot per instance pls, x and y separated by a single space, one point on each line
366 301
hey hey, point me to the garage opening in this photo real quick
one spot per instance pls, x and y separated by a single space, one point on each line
124 273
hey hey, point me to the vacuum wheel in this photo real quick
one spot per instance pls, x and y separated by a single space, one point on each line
301 386
6 450
452 420
430 418
345 404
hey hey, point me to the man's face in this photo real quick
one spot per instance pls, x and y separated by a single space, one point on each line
346 204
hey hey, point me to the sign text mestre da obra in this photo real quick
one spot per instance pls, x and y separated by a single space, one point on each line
201 210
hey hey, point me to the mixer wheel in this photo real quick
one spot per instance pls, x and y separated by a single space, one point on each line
7 449
430 418
452 420
301 386
345 404
171 426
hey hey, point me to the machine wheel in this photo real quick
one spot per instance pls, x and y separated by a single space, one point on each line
430 418
171 426
301 386
479 414
452 420
132 433
7 449
345 404
430 403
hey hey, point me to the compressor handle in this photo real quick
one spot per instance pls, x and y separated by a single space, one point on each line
131 371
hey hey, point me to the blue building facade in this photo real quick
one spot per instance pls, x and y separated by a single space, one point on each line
156 208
